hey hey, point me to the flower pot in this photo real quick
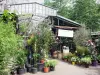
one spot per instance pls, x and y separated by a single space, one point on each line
28 69
13 73
65 60
78 63
69 60
86 65
42 61
33 70
59 56
52 68
94 63
20 70
40 66
46 69
55 54
73 63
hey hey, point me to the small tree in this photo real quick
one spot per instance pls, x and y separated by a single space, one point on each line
46 37
81 35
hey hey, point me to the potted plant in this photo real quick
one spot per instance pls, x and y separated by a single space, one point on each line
46 66
69 56
59 55
78 61
53 63
65 58
42 60
98 58
94 60
20 61
35 58
86 61
55 54
34 69
40 64
73 60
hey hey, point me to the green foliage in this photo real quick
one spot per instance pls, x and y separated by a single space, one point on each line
9 43
74 59
85 12
45 38
82 50
21 58
53 63
86 60
4 72
65 57
81 35
70 55
78 60
47 64
63 6
41 39
36 56
9 17
98 57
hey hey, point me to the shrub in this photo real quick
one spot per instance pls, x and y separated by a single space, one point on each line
81 50
86 60
53 63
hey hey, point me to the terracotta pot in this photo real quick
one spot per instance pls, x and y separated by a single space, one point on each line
65 60
42 61
46 69
54 54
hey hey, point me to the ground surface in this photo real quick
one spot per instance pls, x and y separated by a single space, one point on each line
67 69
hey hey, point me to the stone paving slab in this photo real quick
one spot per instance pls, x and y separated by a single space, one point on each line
63 68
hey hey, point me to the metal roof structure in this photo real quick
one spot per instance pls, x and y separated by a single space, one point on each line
66 27
68 20
62 21
40 13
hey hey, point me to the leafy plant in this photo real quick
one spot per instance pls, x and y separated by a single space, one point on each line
73 59
86 60
8 44
81 36
81 50
70 55
47 64
98 57
36 57
21 58
45 39
10 17
65 57
53 63
78 60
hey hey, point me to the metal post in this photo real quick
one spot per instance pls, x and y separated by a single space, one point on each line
58 22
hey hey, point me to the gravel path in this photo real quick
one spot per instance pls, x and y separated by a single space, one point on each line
63 68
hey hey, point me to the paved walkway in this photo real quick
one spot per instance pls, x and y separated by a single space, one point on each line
63 68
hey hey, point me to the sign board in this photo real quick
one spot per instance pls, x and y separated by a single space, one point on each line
65 33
